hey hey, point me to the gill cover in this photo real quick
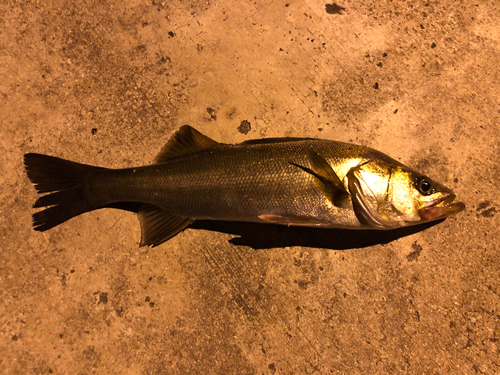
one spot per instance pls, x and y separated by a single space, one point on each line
369 185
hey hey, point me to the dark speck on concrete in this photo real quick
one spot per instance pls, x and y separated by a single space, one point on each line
482 205
375 86
212 114
433 45
303 284
171 34
417 249
103 298
272 368
334 8
94 130
244 127
490 212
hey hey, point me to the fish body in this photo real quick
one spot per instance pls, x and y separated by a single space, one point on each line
290 181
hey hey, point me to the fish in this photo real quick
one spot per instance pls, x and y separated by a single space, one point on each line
288 181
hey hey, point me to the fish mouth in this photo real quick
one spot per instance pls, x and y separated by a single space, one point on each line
441 208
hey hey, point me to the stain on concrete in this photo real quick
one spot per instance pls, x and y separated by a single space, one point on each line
483 210
244 127
211 112
416 250
334 9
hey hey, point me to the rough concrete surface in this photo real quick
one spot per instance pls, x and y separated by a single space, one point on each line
107 83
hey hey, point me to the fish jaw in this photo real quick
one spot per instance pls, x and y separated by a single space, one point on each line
443 208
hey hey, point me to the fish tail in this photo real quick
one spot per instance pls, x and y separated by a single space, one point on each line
64 183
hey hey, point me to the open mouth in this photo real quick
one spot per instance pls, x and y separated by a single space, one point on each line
444 207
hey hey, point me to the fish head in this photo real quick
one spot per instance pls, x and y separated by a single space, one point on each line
386 194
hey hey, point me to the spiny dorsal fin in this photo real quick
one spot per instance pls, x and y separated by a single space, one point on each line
186 140
326 179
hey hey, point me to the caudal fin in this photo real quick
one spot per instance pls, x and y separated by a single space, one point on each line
63 182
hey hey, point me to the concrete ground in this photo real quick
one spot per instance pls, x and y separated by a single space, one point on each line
107 83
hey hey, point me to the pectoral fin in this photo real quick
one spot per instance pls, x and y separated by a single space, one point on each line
326 179
157 225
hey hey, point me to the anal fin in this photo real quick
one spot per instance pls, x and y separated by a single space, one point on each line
158 226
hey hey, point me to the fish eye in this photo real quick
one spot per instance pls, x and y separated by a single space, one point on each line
424 186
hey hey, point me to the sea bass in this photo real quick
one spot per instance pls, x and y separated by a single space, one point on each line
289 181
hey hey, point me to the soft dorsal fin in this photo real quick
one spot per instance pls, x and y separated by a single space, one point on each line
186 140
264 141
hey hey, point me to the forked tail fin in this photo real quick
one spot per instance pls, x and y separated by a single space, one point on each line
64 183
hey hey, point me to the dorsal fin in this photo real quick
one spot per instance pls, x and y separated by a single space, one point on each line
186 140
264 141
